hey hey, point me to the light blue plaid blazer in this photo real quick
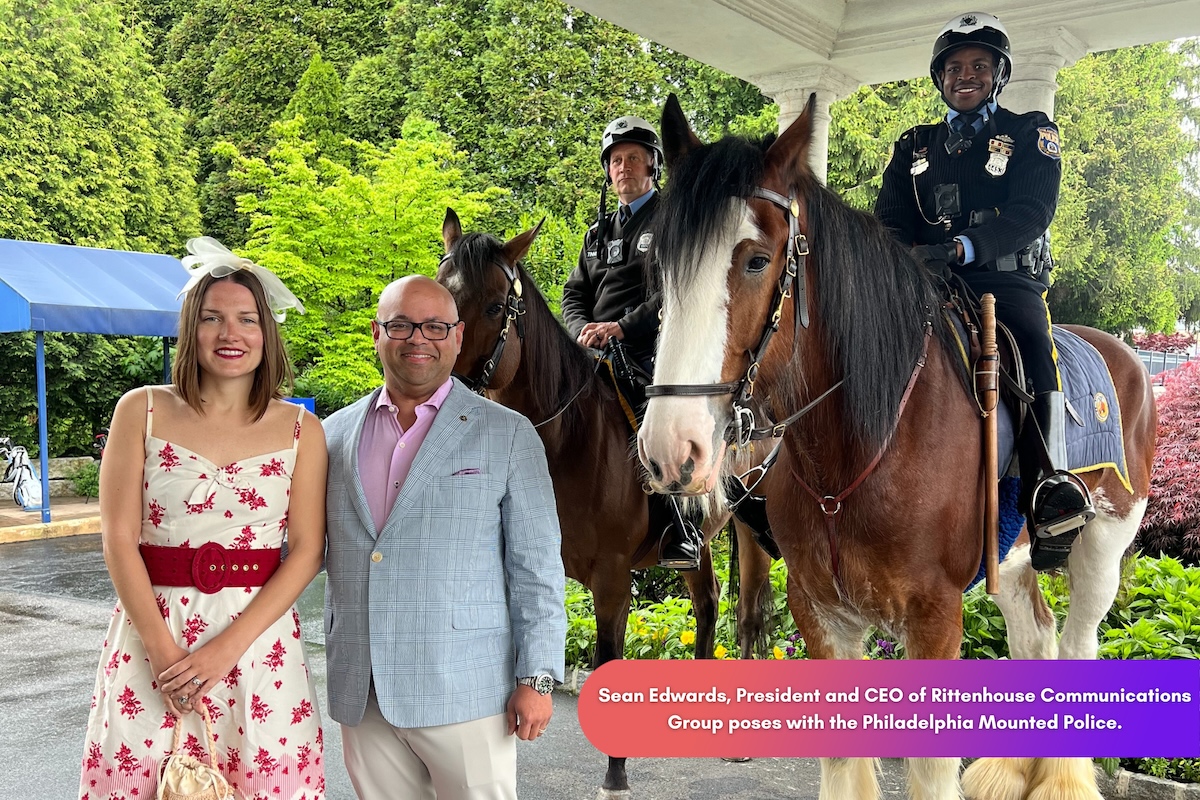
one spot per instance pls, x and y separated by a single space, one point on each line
467 591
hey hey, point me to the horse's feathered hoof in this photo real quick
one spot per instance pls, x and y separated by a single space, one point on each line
1063 779
995 779
614 794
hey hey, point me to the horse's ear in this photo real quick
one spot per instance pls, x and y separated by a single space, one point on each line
789 153
451 229
678 138
516 248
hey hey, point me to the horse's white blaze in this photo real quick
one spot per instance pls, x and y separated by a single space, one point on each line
691 349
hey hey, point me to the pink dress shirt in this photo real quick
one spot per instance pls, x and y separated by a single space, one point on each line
386 451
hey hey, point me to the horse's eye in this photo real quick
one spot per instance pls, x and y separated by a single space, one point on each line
495 309
758 264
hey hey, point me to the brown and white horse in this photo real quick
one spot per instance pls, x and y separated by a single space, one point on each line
875 497
515 349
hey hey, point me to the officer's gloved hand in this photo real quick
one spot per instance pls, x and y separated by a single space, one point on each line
936 256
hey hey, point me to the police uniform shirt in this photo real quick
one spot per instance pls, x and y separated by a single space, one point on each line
1013 165
612 281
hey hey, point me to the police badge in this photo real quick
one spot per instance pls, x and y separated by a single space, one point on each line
643 243
1000 149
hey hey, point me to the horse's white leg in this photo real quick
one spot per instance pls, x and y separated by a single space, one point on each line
935 636
933 778
1094 571
1032 633
843 778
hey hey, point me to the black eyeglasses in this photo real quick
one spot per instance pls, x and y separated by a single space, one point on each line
402 329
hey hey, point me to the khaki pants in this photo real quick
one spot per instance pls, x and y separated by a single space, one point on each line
475 760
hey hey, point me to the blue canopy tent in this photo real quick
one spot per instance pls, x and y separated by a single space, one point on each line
66 289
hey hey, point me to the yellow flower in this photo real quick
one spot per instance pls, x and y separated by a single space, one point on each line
720 651
778 653
687 637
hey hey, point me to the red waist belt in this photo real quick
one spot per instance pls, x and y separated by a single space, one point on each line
210 567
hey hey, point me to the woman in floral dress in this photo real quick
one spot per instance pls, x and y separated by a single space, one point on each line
200 482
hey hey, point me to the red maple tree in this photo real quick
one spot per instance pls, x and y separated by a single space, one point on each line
1172 522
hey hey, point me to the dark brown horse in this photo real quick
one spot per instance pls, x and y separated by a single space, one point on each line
891 546
515 347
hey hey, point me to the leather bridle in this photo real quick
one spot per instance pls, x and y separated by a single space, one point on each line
514 312
742 429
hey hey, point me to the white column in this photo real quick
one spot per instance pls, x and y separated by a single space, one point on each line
1036 62
791 90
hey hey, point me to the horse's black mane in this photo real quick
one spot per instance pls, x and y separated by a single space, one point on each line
558 367
873 300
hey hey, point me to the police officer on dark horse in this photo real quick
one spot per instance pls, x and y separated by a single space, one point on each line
610 302
975 193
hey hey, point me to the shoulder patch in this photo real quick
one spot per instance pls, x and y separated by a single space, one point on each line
1048 143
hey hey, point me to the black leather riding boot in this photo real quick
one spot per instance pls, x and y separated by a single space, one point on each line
751 510
1060 502
680 545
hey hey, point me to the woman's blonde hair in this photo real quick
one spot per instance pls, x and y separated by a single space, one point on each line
273 374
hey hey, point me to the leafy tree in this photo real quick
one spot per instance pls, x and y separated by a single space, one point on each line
318 100
373 99
519 85
715 101
864 127
233 66
1124 149
90 154
338 235
85 376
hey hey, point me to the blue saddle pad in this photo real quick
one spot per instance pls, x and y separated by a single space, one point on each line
1094 436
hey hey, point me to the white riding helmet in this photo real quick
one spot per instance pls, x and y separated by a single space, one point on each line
979 29
632 129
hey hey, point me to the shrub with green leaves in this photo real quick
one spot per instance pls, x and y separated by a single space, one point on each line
85 480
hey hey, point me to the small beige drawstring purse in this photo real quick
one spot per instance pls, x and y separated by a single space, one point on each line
183 777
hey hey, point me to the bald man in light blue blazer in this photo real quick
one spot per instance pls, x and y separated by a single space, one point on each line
444 620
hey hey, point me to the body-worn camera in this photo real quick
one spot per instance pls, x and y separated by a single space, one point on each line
946 203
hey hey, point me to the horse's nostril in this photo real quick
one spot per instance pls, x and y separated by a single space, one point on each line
656 470
686 469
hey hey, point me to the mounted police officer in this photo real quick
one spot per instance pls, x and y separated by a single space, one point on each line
976 193
610 301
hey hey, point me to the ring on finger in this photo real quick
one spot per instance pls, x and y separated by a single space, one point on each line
183 698
197 682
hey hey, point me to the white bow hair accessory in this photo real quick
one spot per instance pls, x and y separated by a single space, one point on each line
210 257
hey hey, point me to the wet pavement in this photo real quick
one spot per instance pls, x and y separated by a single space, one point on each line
55 603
